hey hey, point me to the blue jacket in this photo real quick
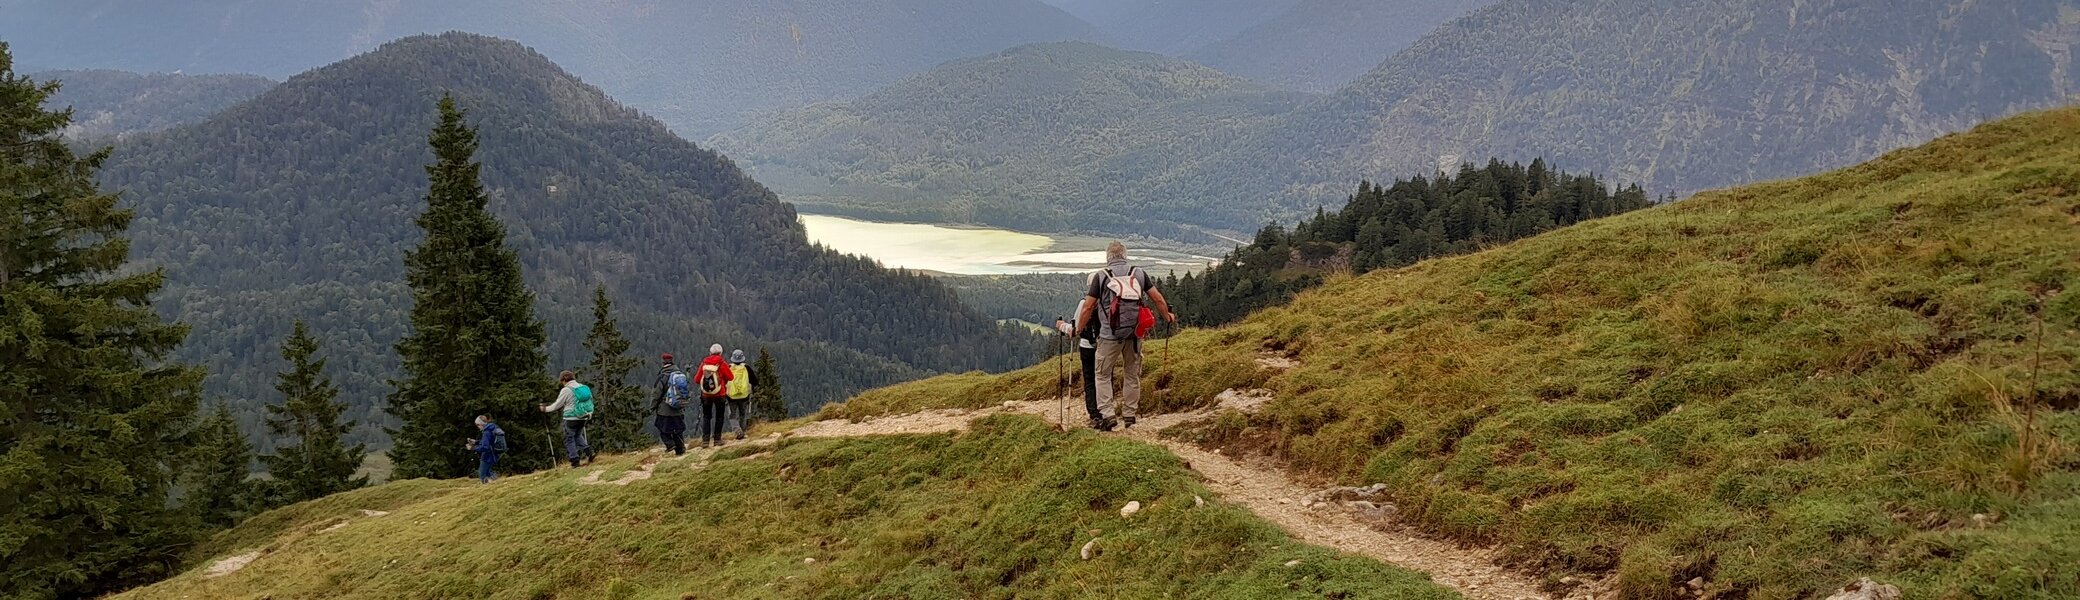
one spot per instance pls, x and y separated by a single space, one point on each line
488 444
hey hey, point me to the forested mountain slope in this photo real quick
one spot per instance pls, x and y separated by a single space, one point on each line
1775 389
299 204
117 103
1676 95
700 65
1173 27
1321 45
1047 137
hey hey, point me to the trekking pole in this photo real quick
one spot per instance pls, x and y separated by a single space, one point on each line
1061 381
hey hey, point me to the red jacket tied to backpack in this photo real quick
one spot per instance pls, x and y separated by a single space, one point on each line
714 370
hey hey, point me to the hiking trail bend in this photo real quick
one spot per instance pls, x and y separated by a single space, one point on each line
1265 490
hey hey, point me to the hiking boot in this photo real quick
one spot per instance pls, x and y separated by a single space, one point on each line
574 462
1109 425
740 436
1098 424
1130 422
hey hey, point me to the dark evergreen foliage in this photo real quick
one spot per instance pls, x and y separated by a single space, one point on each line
475 347
622 407
311 459
1385 227
94 419
218 488
768 404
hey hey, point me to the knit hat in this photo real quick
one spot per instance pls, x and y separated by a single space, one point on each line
667 357
715 349
736 356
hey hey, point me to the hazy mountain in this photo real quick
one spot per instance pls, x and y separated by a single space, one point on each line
1035 138
1677 95
299 204
1173 27
1320 45
117 103
700 65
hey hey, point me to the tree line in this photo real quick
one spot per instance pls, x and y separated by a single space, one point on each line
112 467
1396 225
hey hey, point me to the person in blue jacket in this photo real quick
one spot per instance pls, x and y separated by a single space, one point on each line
488 445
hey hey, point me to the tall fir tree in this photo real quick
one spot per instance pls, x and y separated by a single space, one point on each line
474 346
621 407
313 460
219 487
93 419
767 401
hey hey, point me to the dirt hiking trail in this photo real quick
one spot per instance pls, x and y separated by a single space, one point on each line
1342 518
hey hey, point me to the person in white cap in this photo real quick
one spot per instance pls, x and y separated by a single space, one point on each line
713 380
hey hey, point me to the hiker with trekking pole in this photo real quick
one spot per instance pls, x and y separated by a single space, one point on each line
1117 305
574 400
1087 353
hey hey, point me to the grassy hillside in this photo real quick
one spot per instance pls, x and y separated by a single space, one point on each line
108 104
701 66
1044 137
1320 45
999 512
1778 388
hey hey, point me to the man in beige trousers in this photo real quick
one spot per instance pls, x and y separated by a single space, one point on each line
1117 304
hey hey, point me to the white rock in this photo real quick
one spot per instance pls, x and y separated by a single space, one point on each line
1090 549
1981 520
1865 589
1198 502
1131 508
1293 563
809 561
1008 405
1696 583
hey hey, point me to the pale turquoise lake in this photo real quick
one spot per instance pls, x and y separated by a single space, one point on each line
973 250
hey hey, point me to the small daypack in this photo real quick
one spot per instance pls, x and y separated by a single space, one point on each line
498 441
677 389
1124 307
739 382
581 403
711 381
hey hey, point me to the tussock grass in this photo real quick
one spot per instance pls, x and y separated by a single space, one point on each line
1779 388
999 512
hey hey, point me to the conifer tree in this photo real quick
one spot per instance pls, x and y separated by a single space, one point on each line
219 487
767 402
314 460
474 346
93 419
618 425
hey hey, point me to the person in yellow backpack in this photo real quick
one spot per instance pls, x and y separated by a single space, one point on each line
740 383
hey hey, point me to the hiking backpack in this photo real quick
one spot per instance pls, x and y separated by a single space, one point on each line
711 381
739 383
677 389
498 441
581 403
1124 307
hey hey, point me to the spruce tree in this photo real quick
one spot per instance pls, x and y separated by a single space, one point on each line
313 460
767 402
92 417
219 487
474 346
618 424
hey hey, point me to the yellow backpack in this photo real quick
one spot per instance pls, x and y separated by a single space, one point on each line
739 382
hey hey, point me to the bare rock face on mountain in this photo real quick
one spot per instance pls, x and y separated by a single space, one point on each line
1677 95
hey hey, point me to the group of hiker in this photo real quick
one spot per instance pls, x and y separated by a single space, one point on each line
721 388
1118 311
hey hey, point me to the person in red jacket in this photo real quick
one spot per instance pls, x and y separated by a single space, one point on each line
713 381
